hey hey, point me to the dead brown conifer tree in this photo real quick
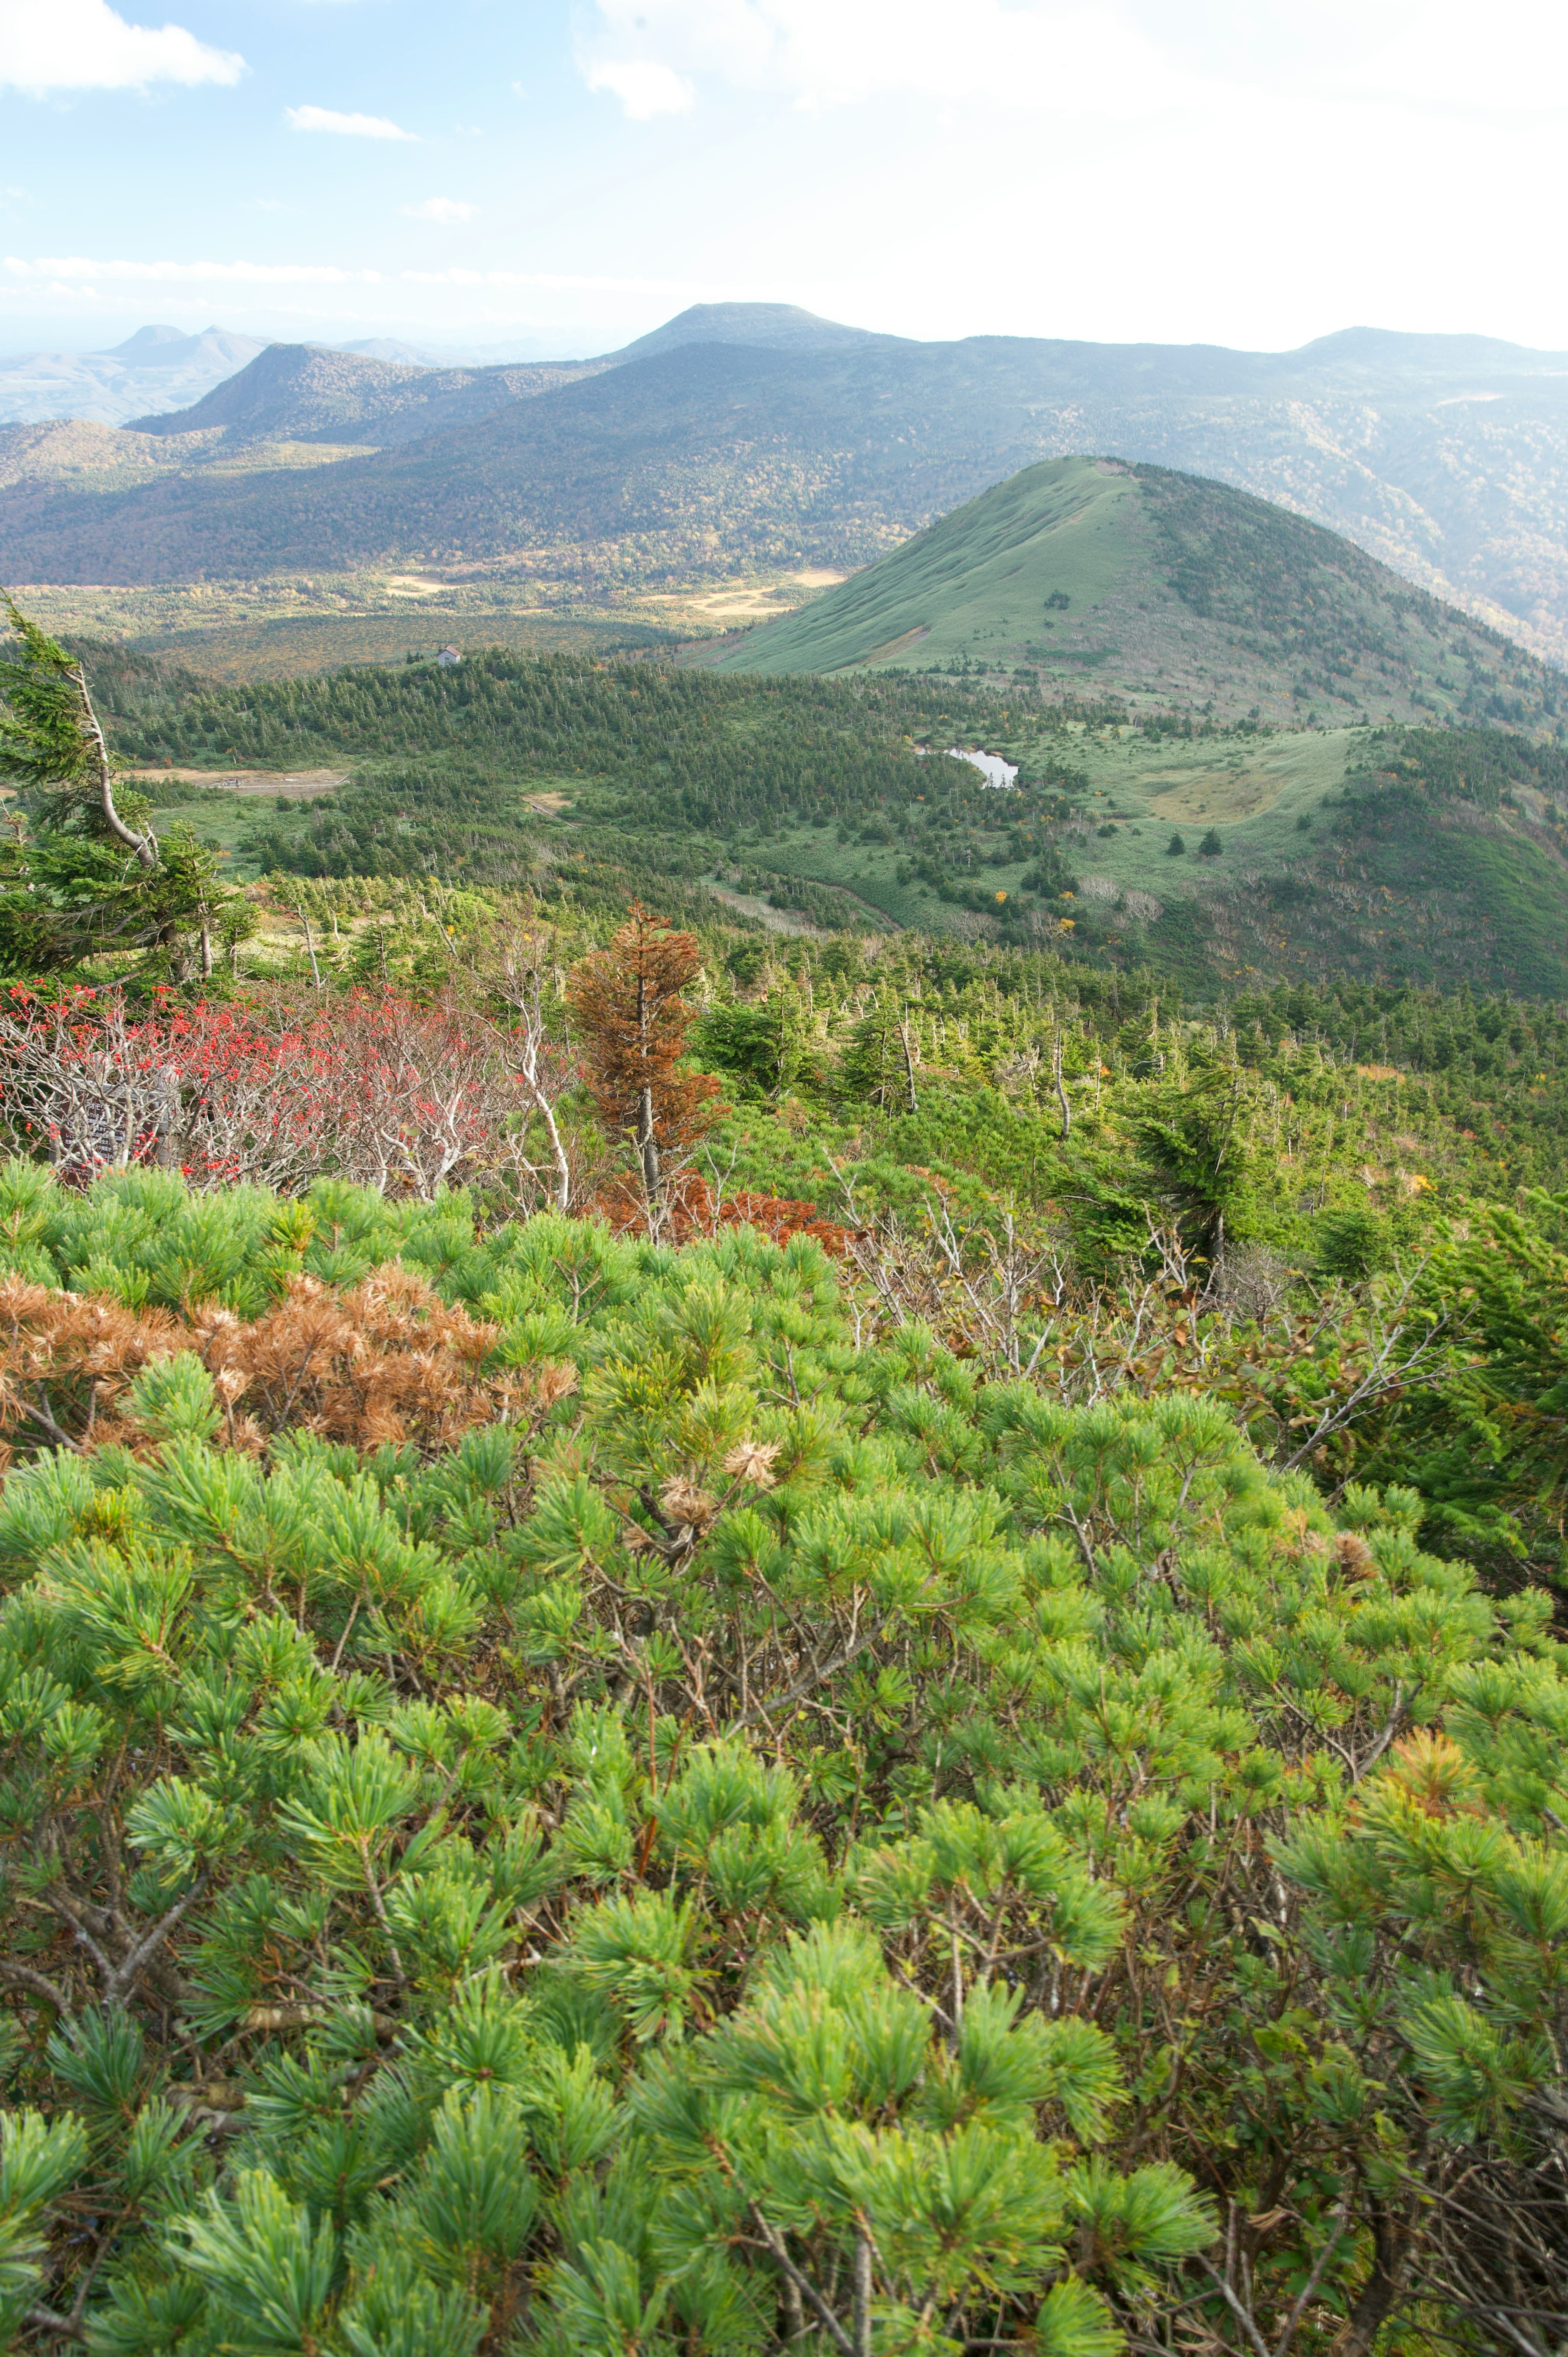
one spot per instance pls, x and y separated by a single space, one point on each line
632 1022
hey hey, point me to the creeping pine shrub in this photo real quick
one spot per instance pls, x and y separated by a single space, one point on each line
770 1843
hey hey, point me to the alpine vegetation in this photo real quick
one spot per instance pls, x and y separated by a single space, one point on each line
580 1801
712 1646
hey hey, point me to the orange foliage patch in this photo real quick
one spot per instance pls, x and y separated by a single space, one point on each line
388 1361
692 1212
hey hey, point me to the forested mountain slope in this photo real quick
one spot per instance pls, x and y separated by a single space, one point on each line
1445 457
305 393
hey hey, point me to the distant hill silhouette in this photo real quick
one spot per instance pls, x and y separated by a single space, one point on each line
158 364
309 393
772 326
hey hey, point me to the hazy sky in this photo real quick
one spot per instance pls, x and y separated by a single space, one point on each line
482 172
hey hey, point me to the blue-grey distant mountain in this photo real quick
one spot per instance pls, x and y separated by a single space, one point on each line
758 436
770 327
160 367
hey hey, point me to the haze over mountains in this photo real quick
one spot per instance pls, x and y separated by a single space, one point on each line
162 368
753 435
306 393
157 367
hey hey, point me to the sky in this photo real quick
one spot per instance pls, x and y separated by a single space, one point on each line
555 176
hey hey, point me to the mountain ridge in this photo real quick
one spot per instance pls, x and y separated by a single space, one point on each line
1446 457
108 387
315 393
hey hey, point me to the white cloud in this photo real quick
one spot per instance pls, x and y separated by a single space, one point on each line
1435 61
1118 60
663 290
83 45
1080 57
440 209
349 126
644 87
75 268
1413 55
75 271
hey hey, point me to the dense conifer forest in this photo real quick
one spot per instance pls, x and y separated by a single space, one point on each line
1432 856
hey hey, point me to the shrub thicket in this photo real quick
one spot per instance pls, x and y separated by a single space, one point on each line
766 1840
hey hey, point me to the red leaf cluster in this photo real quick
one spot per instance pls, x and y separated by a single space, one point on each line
377 1090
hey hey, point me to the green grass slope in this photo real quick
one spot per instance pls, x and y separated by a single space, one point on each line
1068 528
1426 856
1097 578
1336 854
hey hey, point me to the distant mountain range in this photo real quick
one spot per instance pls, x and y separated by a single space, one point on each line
305 393
161 370
750 436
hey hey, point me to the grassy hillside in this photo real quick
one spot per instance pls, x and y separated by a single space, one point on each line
1167 589
1435 856
1061 532
290 646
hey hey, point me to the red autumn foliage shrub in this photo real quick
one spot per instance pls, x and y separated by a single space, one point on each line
394 1095
373 1089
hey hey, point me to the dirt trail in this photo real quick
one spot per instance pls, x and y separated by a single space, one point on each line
299 784
778 921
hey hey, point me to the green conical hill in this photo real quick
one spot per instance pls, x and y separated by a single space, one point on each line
1135 581
1070 528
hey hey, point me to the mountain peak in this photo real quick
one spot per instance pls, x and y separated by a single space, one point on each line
775 327
316 393
1405 348
280 374
1241 607
144 339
